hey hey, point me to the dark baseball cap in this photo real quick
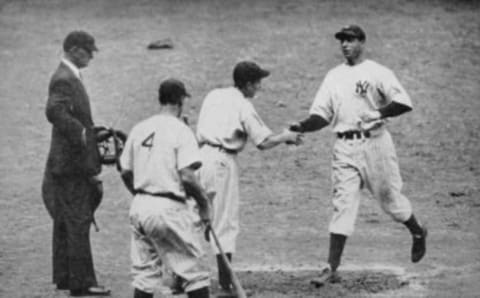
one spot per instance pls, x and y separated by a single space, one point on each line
248 71
351 31
79 39
171 91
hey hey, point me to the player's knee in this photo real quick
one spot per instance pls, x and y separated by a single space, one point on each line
386 195
398 212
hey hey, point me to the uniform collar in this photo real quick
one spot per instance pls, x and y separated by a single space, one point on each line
72 67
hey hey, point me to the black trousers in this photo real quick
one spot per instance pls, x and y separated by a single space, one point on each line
69 203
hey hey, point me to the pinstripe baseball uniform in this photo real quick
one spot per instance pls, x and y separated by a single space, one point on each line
165 230
227 119
346 92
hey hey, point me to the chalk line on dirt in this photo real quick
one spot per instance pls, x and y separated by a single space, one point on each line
397 270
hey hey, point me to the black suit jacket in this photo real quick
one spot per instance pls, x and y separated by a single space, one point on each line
68 109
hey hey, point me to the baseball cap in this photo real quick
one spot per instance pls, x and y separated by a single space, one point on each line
79 39
248 71
351 31
171 91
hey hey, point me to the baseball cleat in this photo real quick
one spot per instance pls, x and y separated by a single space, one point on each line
326 276
91 291
419 246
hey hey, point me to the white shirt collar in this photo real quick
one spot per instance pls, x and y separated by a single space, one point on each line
72 66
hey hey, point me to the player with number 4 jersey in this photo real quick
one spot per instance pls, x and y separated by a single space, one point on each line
158 165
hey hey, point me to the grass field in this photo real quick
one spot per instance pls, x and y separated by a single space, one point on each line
432 46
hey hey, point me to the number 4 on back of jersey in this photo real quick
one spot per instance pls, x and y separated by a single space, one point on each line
148 142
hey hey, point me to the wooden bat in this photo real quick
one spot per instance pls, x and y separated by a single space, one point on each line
236 282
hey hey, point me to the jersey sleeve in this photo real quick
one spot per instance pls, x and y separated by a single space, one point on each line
323 104
202 121
391 88
254 125
188 151
126 158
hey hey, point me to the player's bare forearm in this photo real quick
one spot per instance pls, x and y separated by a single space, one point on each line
311 124
286 136
270 142
127 178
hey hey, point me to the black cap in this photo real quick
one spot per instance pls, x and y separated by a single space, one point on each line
79 39
171 91
351 31
247 71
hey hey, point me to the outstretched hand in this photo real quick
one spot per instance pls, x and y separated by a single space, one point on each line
292 137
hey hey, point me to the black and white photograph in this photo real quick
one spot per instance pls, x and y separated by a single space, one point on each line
240 148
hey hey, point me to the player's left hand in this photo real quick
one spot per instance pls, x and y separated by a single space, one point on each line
370 116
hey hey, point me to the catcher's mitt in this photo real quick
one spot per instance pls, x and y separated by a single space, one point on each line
110 144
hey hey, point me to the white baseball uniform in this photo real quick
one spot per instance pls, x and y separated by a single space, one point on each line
165 230
227 119
346 92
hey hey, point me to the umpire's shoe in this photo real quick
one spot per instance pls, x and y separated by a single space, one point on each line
326 276
91 291
419 246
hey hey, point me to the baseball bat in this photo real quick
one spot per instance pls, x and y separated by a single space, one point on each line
236 282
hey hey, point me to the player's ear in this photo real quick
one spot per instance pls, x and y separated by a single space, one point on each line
252 86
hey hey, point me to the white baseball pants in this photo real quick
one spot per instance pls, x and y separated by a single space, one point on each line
219 175
371 163
166 232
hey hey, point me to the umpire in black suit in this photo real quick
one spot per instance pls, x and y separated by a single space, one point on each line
70 189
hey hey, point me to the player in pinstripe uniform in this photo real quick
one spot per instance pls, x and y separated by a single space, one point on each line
158 164
356 98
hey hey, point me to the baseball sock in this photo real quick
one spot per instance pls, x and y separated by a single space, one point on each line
413 226
141 294
200 293
337 243
224 278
